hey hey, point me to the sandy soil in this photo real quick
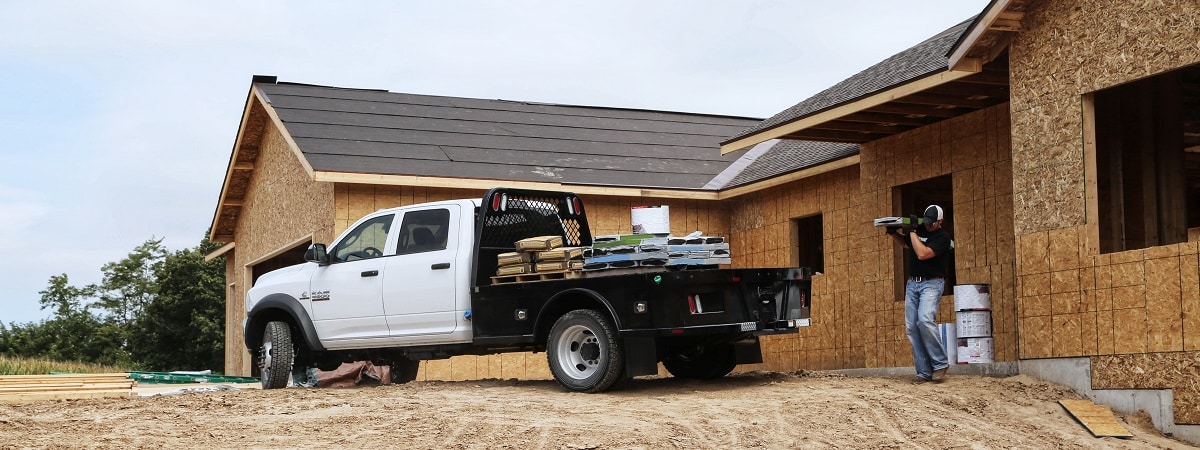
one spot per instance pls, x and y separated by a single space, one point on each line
757 410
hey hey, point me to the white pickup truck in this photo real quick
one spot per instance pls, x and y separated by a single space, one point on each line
414 283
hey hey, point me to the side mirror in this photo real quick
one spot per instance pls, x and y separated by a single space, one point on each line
316 253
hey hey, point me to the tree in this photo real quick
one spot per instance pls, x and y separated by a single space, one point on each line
162 311
73 333
183 327
129 284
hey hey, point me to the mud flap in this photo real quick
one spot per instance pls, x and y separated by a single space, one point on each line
747 351
641 357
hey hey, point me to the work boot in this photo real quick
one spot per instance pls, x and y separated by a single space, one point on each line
941 374
917 379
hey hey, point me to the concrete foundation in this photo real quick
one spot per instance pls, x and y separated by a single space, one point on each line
1076 373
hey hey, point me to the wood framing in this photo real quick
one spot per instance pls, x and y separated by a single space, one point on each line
461 183
846 109
1091 202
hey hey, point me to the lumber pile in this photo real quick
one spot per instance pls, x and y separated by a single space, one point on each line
51 387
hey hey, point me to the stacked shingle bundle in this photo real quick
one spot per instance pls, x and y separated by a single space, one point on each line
649 250
624 251
697 251
539 255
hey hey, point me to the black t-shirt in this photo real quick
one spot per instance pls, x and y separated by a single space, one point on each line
938 241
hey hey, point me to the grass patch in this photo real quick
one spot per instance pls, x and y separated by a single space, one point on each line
10 365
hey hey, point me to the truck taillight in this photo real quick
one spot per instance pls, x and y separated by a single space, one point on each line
499 202
576 205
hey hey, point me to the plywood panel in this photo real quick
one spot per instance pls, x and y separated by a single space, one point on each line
1190 295
1129 326
1036 337
1033 253
1164 305
1098 419
1067 335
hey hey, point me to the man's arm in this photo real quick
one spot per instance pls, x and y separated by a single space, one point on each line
923 251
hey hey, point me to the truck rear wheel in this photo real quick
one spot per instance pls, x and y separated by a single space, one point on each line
276 355
584 352
701 362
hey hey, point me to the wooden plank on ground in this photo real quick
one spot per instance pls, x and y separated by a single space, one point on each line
50 387
1096 418
68 395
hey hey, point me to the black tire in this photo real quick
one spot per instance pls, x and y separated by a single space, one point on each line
584 352
701 362
404 370
276 355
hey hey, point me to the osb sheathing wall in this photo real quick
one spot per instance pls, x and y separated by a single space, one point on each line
606 215
857 320
282 205
1136 313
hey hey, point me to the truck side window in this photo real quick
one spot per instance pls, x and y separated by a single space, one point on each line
424 231
366 241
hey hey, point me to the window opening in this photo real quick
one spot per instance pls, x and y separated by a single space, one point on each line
1147 161
810 239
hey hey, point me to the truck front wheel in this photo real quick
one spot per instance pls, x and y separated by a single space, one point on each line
701 362
276 355
584 352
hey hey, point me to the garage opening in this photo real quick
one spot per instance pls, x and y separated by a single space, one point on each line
286 256
1145 144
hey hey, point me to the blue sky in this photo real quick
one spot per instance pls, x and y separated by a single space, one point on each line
117 118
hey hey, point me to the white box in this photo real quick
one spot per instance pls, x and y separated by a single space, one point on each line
949 341
976 351
972 324
651 219
968 297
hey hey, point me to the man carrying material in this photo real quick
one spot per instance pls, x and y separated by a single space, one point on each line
926 246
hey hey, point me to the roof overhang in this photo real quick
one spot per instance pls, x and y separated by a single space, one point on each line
890 111
484 184
989 35
219 252
975 77
256 116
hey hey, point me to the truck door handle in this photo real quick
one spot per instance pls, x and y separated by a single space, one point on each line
370 273
440 266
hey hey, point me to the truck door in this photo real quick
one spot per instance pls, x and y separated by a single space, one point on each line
347 294
419 287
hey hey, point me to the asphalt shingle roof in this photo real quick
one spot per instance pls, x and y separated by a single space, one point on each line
787 156
380 132
923 59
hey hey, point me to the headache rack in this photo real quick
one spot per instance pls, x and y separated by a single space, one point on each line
507 215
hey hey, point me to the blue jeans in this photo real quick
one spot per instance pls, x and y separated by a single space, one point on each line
920 309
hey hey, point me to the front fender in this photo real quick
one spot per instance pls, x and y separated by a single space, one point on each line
279 307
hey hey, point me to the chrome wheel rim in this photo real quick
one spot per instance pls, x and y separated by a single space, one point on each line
579 352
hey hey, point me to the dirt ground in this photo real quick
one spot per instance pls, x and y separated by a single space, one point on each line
755 410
